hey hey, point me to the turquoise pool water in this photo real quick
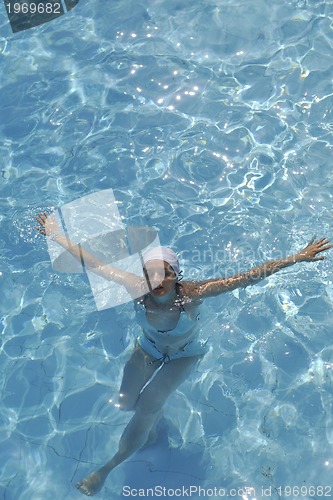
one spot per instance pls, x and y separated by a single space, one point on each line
212 121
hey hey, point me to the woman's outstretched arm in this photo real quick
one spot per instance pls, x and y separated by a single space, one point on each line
213 287
50 228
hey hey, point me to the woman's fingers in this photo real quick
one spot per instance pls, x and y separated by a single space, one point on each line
310 242
320 245
323 244
322 241
327 247
41 218
313 248
48 223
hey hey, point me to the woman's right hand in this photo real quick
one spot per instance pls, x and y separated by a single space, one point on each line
47 224
312 249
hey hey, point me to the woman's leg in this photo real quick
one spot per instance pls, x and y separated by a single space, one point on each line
137 371
147 410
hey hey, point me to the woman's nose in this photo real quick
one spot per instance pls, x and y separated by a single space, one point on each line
157 277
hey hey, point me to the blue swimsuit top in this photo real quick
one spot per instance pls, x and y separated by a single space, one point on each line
168 342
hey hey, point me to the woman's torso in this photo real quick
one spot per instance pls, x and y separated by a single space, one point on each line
169 328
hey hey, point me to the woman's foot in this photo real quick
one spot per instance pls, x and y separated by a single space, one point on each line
92 483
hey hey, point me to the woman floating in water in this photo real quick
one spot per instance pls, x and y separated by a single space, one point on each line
167 349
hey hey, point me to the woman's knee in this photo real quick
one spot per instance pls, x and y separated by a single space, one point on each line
135 375
149 403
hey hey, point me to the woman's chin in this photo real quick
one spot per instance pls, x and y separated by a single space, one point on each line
163 296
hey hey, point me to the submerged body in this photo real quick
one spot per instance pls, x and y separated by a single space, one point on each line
160 362
177 342
168 348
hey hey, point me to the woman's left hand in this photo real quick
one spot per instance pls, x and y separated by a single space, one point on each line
312 249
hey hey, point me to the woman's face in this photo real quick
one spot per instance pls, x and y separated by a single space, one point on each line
161 276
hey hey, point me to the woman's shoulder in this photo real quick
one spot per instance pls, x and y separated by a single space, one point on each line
189 292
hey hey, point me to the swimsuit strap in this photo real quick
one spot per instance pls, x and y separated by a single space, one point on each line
163 359
180 298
